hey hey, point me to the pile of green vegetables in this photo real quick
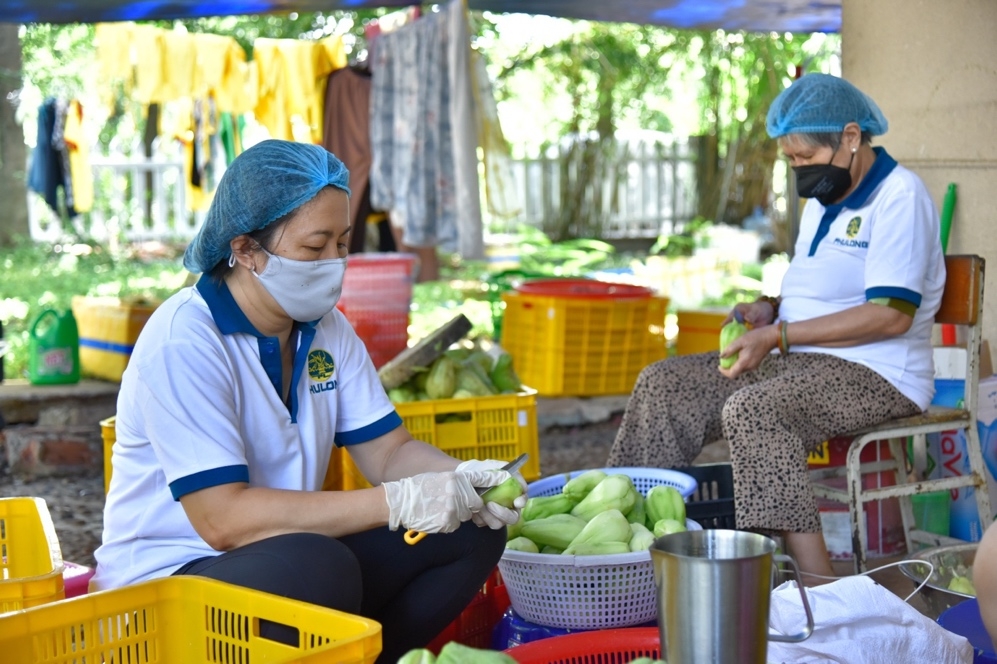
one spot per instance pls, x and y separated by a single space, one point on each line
461 373
597 514
455 653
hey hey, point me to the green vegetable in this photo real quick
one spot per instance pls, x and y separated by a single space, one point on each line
418 656
504 494
729 333
513 531
457 653
458 354
556 530
961 584
463 394
442 379
543 506
482 359
579 487
471 377
522 544
664 502
667 527
503 376
552 550
641 538
607 526
636 513
616 492
401 394
598 549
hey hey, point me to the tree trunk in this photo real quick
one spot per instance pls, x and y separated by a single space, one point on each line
13 159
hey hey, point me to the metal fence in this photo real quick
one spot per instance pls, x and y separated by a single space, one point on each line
134 200
637 189
632 189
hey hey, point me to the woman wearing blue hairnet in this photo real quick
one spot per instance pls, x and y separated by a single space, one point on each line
236 393
846 345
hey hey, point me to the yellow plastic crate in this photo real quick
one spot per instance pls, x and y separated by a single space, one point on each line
699 330
108 433
108 329
30 557
495 427
565 346
185 619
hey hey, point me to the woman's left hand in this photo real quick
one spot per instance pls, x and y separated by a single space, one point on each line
752 347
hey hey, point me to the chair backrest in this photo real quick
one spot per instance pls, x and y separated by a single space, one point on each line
962 304
963 295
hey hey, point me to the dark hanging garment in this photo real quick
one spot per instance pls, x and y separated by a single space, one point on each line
346 134
47 172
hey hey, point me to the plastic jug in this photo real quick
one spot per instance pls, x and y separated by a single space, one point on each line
54 349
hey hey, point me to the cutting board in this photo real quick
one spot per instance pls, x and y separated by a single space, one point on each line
404 365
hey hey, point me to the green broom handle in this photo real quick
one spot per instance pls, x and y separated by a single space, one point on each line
948 206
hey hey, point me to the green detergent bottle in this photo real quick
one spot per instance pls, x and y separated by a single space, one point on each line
54 349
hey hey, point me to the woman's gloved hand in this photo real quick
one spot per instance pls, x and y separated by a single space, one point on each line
494 515
432 502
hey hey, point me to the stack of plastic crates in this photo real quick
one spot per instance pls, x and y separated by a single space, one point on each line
377 296
580 337
186 619
474 626
31 565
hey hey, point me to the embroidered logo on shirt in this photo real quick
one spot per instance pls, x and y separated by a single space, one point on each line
853 227
851 230
320 365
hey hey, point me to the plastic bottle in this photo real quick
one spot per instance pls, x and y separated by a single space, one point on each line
54 349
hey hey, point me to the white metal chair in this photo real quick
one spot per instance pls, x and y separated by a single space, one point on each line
962 304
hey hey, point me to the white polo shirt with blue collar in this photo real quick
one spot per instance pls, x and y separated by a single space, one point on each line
200 406
881 241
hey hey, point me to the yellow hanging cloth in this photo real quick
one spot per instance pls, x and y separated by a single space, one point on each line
78 147
292 75
114 60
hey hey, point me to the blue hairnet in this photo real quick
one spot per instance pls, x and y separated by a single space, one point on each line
823 103
264 183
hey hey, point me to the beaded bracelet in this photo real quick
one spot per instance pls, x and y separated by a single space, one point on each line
783 340
773 301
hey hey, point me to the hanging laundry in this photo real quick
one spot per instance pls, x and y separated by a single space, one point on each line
501 189
61 151
292 78
470 238
346 134
78 149
230 129
47 174
421 135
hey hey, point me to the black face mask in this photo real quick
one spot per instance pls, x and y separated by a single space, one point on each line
825 182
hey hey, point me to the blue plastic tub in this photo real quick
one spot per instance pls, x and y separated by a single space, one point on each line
964 619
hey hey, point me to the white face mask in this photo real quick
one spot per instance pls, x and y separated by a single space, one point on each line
305 290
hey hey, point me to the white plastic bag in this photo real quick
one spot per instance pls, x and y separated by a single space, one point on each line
857 621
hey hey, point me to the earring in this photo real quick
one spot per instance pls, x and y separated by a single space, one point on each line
854 150
231 260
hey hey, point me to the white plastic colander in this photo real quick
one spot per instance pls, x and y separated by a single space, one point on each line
588 592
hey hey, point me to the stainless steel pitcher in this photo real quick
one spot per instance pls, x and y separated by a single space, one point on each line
713 589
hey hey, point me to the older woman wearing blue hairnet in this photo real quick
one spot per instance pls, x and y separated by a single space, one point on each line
236 393
846 345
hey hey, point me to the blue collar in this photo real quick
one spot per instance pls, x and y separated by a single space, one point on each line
881 168
230 319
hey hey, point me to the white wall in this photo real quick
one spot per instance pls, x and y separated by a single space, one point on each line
931 65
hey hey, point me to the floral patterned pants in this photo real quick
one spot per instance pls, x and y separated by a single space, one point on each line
771 418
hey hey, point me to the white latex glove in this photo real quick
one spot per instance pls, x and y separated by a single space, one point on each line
435 502
493 515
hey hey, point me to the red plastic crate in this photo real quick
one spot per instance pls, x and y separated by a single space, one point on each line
604 646
473 627
377 295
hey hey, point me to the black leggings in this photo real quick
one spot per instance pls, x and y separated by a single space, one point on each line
413 591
